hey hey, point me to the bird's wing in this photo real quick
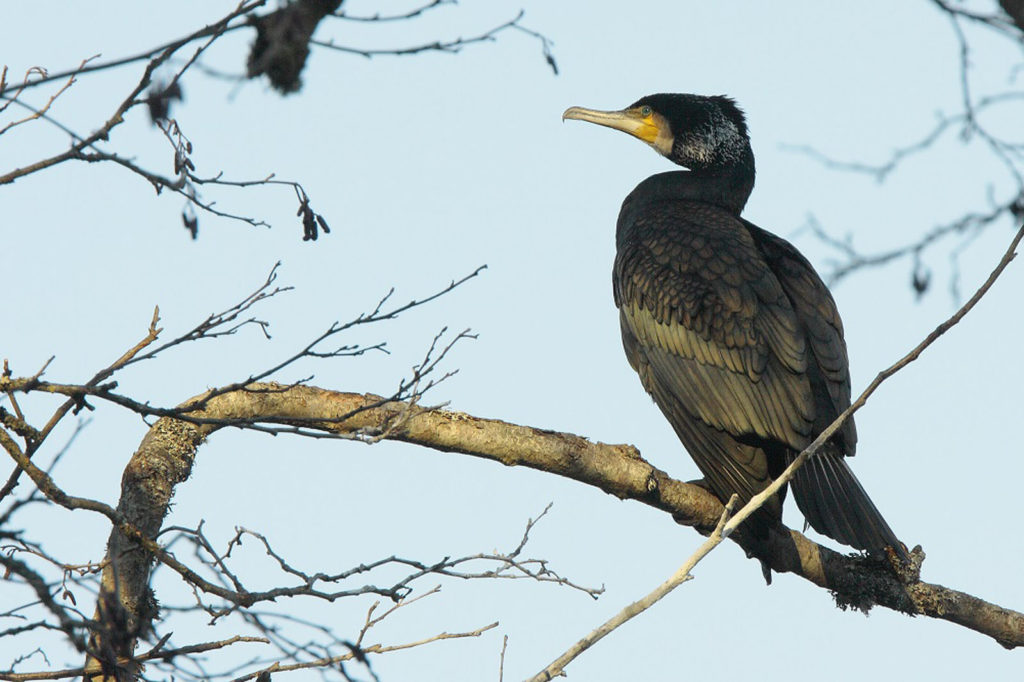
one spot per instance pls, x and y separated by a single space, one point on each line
713 325
728 466
817 312
827 492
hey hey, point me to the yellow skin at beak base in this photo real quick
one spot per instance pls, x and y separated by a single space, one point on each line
627 120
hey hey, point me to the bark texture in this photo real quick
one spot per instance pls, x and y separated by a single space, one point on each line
165 458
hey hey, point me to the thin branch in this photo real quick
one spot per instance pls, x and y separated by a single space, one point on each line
997 22
383 18
72 628
217 28
682 575
969 123
117 117
73 402
855 261
36 113
507 566
372 649
452 46
157 653
501 660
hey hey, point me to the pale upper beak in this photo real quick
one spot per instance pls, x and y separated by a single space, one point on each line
652 129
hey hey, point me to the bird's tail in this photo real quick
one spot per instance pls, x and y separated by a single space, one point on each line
835 504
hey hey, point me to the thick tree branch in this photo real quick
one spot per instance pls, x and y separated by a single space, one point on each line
165 458
166 455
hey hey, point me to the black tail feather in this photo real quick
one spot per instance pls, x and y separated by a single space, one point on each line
835 504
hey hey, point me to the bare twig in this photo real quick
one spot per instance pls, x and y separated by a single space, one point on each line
36 113
452 46
381 18
372 649
73 402
501 660
217 28
159 57
970 123
157 653
555 668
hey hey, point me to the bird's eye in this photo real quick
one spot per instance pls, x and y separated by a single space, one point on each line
645 111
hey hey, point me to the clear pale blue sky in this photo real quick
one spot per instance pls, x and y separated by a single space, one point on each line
429 166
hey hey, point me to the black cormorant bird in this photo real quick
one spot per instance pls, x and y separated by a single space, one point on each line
731 330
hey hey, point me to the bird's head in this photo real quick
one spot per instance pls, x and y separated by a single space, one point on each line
694 131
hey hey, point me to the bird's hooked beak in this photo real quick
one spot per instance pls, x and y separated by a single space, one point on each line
640 122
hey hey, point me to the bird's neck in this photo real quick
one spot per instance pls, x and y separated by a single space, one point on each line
727 187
